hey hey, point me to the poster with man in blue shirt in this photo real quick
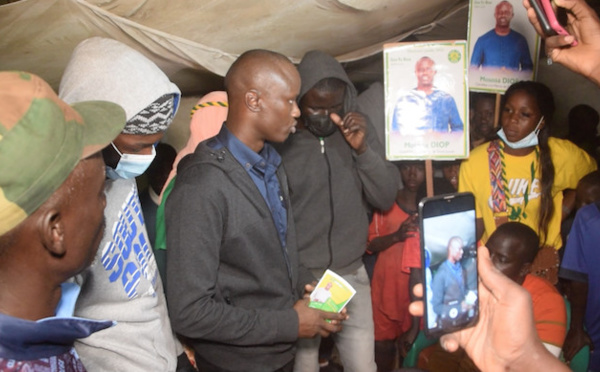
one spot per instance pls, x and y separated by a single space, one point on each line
502 47
426 102
500 56
426 108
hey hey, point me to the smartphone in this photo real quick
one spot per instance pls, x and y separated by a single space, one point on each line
449 262
542 18
548 20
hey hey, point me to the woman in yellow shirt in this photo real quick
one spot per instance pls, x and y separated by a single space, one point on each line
522 174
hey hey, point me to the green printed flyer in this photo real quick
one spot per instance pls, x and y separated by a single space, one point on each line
332 293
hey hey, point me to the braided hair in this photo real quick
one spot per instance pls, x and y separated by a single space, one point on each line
545 101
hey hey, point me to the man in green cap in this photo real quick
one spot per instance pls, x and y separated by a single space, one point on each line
51 218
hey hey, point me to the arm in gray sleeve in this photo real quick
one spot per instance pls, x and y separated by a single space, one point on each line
379 177
196 220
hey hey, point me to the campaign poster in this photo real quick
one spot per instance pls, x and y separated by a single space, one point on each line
426 100
332 293
503 46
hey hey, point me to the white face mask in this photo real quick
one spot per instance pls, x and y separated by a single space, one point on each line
529 140
130 165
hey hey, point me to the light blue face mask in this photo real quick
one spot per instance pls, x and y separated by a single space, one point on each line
529 140
130 165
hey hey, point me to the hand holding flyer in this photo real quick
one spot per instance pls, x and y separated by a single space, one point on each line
332 293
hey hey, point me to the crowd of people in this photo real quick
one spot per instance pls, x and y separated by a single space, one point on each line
282 178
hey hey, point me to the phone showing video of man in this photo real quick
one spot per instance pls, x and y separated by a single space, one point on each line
449 261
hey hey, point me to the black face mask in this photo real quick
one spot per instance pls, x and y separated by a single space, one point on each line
320 125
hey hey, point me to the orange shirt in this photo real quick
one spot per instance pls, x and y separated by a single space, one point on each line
390 283
549 311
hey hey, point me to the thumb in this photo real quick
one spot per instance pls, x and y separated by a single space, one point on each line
336 119
449 342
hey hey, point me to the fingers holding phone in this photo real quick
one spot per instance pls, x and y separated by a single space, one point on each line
583 26
548 16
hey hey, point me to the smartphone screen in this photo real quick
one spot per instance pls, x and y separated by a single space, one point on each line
449 262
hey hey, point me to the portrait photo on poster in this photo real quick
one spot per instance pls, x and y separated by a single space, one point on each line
426 100
503 47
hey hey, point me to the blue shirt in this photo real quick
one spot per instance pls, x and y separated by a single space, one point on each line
48 341
262 168
510 51
580 263
416 113
457 271
448 288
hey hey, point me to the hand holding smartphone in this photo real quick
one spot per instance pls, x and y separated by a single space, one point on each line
449 262
547 18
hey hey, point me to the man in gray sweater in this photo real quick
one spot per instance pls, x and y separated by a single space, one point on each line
123 283
336 176
234 284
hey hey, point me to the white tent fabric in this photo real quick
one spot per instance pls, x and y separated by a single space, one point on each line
195 42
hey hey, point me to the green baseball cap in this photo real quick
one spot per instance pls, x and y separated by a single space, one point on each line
42 139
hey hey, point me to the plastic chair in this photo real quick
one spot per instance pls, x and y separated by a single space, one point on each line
421 342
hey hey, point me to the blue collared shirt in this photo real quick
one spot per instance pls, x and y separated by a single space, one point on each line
509 51
416 113
457 271
262 168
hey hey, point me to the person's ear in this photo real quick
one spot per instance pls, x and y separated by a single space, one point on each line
541 125
52 233
111 156
252 100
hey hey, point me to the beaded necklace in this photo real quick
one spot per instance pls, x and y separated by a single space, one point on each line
499 184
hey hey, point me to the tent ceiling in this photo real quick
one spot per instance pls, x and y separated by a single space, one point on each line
195 42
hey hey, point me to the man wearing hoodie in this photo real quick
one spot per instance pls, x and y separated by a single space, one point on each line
123 283
335 177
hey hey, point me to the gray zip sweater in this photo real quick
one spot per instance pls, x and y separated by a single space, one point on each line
229 291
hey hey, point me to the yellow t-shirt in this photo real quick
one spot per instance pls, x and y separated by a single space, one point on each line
524 188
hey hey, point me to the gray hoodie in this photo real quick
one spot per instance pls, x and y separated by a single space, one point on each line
123 282
332 189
